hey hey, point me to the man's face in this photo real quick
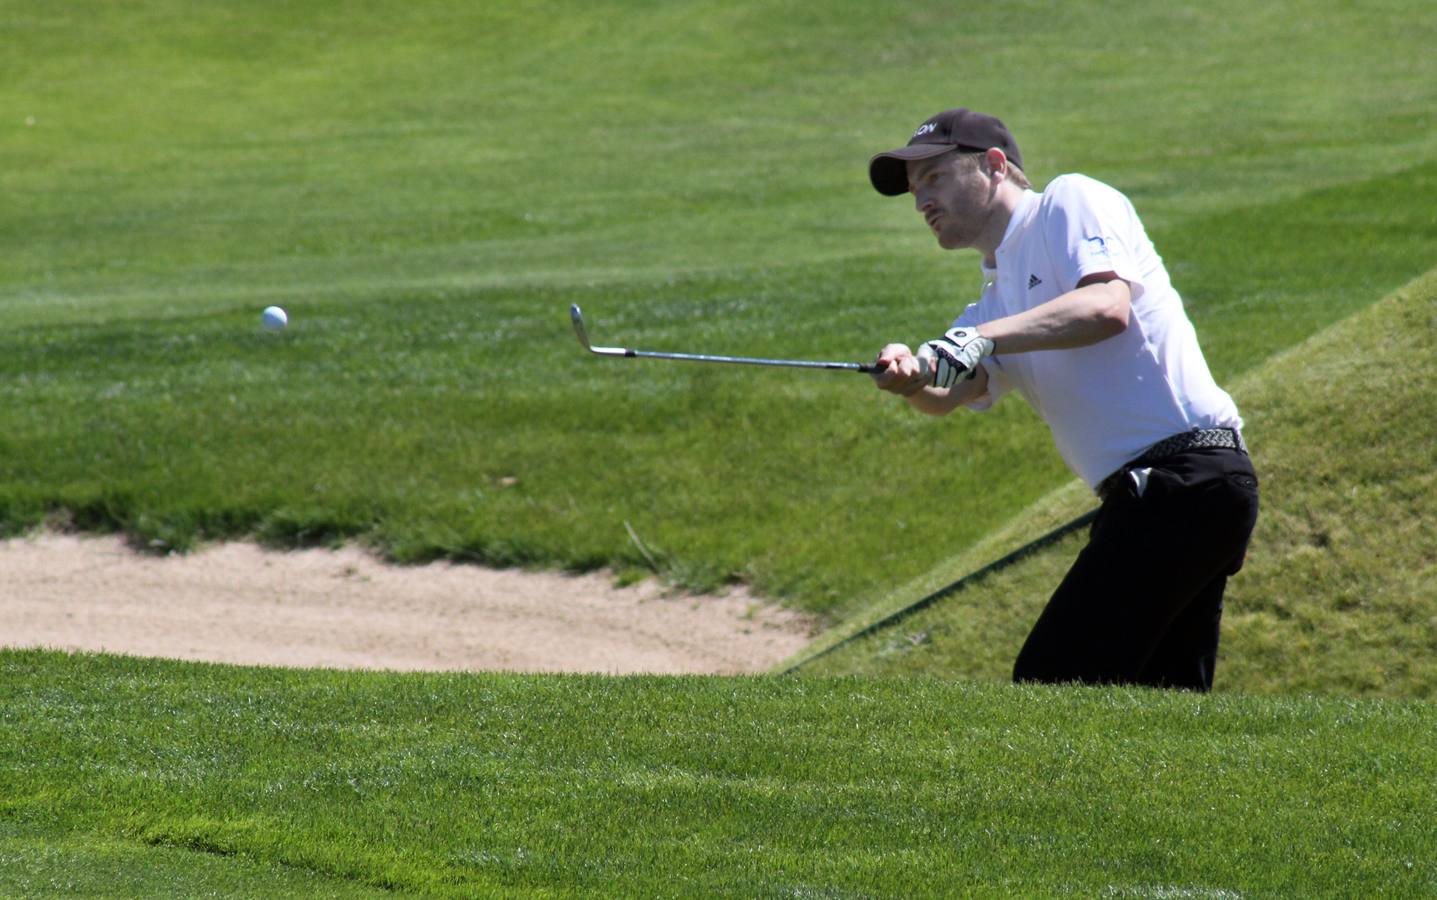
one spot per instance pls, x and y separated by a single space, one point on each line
954 197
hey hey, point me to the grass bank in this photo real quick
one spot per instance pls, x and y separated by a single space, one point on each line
1337 594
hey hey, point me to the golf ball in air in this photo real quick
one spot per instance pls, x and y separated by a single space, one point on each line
274 318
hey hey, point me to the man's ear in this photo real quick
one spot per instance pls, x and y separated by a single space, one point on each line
996 162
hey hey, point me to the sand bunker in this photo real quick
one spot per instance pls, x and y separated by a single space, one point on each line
238 603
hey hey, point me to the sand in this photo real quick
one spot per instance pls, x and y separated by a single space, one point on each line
240 603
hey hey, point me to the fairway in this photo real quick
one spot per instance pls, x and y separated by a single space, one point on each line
217 531
392 188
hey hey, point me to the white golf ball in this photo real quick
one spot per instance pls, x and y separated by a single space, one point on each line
274 318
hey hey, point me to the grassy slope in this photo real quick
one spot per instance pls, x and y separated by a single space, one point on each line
1338 591
427 186
490 784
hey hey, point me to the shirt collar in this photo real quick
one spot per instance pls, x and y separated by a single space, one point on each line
1022 213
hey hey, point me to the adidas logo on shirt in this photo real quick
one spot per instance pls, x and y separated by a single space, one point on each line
1034 281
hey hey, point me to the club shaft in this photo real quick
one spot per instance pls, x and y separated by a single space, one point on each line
750 360
625 352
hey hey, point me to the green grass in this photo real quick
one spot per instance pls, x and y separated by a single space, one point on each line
40 862
488 785
1338 591
426 188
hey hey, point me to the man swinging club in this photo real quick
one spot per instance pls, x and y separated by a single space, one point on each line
1078 315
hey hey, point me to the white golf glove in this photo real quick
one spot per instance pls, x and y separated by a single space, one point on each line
955 355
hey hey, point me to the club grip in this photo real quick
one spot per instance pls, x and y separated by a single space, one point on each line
925 367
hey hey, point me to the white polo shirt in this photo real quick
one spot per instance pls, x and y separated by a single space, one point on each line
1107 402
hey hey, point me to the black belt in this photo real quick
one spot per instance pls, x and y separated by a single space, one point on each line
1197 439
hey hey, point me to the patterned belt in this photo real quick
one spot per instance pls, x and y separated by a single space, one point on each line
1197 439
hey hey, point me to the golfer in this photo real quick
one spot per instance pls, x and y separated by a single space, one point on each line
1078 316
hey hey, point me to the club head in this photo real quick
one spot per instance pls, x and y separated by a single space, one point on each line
578 319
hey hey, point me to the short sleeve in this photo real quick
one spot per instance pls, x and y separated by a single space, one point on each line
1089 228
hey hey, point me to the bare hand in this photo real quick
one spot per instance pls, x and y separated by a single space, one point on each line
898 371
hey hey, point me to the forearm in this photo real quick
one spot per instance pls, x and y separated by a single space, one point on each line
935 401
1092 312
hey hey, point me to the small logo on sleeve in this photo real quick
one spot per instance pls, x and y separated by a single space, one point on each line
1098 247
1034 281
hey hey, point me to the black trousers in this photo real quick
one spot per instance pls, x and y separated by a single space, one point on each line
1142 603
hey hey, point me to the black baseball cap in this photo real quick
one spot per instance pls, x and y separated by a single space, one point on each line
952 129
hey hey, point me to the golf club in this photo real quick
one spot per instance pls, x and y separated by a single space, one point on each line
583 334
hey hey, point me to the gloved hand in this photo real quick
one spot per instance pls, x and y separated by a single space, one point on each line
955 355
